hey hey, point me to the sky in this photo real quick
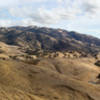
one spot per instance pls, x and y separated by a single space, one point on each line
74 15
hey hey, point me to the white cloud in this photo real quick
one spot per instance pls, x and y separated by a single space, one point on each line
7 3
43 15
66 10
23 22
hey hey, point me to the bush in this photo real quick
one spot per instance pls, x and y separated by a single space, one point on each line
34 62
1 51
97 63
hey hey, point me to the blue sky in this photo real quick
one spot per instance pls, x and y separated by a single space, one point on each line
74 15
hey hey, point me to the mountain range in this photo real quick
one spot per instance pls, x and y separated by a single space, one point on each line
48 39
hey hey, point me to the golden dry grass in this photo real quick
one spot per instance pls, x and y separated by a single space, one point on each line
50 79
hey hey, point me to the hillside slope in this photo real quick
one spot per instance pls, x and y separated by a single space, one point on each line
48 64
48 39
22 81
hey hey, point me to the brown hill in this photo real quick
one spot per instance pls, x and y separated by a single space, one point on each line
48 64
34 39
50 79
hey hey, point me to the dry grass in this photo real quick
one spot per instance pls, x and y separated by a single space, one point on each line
22 81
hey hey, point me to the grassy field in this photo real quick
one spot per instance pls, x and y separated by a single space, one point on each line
49 79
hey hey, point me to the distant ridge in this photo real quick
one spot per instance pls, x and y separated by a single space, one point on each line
48 39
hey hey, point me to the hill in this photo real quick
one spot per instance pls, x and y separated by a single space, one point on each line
39 63
35 38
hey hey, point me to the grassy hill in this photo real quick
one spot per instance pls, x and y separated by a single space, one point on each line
21 81
48 64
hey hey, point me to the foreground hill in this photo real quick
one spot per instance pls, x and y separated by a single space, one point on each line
50 79
48 64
